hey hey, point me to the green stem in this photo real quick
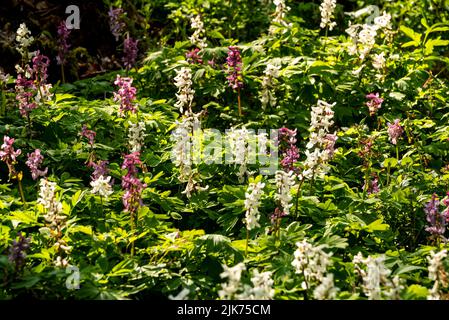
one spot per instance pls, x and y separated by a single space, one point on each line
62 73
22 195
397 152
247 241
239 102
297 197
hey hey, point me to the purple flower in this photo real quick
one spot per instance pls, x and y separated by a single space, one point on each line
193 57
395 131
277 215
132 198
234 62
126 94
330 143
100 169
7 153
34 161
17 251
130 52
289 151
64 46
373 185
89 134
115 22
374 103
40 67
25 92
436 219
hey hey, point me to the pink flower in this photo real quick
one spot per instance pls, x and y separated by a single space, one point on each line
100 169
374 103
64 46
288 149
234 61
34 161
130 50
126 94
89 134
40 67
395 131
193 57
115 22
132 198
7 153
25 92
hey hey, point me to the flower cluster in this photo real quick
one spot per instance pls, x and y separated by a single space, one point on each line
284 183
64 45
374 103
184 96
252 203
193 57
88 134
56 220
24 40
9 155
261 289
234 62
126 94
17 251
241 149
100 169
197 38
327 9
395 130
279 14
437 219
130 50
233 274
102 186
136 135
25 91
373 185
116 24
34 161
437 273
320 147
132 198
374 274
288 149
312 262
362 42
268 97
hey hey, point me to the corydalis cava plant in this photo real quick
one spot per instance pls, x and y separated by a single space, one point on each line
320 148
125 95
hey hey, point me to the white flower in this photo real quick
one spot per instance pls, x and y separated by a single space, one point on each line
327 9
102 186
183 295
233 274
376 283
262 288
43 93
437 273
312 262
196 38
268 83
284 183
240 150
47 197
183 81
136 135
61 262
383 21
320 146
24 39
281 10
326 290
252 203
